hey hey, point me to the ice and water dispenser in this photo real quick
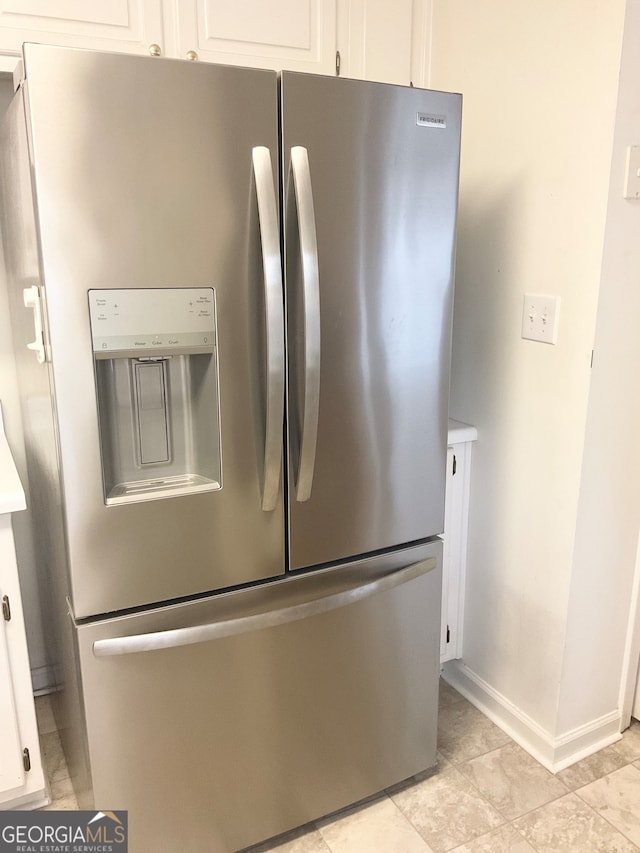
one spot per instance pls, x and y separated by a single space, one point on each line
155 356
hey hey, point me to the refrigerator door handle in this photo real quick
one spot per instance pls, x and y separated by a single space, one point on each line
157 640
31 296
311 298
272 271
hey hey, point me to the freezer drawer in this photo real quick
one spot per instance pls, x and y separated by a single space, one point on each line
225 721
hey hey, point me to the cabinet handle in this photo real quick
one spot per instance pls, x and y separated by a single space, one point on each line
192 56
155 50
6 608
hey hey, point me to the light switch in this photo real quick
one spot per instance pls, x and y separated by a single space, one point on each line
632 173
540 317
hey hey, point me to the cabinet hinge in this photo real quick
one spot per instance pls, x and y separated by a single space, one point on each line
448 634
454 467
6 608
26 759
338 61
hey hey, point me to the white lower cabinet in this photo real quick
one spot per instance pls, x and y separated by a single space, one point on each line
12 771
21 776
456 514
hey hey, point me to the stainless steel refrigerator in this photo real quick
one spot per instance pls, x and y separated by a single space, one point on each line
231 298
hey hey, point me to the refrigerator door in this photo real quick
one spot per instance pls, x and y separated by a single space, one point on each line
153 174
370 176
283 703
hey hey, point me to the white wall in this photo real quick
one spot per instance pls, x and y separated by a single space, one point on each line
609 506
540 87
13 424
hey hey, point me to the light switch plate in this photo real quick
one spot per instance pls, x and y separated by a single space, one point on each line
632 173
540 317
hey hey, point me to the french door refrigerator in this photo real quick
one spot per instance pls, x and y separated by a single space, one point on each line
231 302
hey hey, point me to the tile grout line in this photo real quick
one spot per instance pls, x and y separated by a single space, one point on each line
616 828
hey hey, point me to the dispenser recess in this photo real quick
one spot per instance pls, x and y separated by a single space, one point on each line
156 369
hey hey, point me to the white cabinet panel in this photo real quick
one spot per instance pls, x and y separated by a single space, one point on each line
120 25
384 42
454 559
18 728
377 40
298 35
450 561
289 27
11 769
106 12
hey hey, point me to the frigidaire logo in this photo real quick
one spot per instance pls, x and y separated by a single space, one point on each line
63 832
431 120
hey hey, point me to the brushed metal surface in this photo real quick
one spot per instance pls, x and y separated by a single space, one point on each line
143 178
385 199
271 728
41 481
217 630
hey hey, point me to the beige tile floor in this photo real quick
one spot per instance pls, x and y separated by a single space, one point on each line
486 796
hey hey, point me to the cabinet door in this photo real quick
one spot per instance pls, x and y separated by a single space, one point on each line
299 35
11 769
449 566
376 44
119 25
18 727
454 558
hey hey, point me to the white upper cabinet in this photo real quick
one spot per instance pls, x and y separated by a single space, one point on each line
384 41
129 26
298 35
376 39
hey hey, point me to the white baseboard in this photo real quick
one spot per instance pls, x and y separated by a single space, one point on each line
27 803
42 680
554 753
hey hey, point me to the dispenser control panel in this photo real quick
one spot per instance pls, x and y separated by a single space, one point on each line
152 319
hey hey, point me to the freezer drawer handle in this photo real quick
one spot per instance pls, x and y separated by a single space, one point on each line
311 296
272 271
257 622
